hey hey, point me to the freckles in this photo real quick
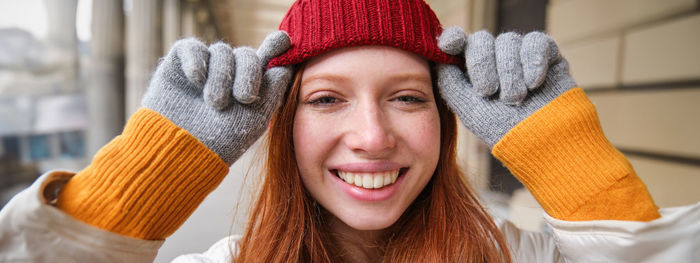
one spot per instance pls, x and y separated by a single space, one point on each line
310 129
427 124
427 132
312 140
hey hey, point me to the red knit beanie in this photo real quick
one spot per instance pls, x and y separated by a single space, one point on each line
318 26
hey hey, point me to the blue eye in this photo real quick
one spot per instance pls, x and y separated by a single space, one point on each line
409 99
326 100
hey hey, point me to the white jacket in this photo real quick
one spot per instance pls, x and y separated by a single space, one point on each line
32 230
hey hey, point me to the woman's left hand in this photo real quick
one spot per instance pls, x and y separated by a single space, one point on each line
506 80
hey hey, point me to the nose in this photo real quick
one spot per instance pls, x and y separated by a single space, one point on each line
369 131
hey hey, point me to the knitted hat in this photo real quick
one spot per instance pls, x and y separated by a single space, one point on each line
319 26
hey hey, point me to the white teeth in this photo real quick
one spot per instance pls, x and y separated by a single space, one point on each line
370 180
367 181
378 181
387 178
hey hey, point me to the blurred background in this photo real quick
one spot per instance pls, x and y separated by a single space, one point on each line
72 70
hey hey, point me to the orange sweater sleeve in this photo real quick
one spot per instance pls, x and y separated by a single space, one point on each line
562 156
146 182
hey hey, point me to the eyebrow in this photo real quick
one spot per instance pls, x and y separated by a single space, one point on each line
327 77
407 77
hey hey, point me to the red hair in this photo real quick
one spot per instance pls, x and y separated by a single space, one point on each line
445 223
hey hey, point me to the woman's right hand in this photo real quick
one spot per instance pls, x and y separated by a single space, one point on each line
222 96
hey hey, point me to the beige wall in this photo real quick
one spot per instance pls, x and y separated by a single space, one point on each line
253 20
639 61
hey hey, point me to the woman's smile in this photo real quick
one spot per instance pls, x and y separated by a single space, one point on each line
368 181
369 175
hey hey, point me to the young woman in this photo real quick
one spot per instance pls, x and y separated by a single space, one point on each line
360 98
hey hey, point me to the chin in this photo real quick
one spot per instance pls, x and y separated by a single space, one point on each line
367 226
370 220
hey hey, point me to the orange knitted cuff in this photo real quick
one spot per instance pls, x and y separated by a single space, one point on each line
562 156
146 182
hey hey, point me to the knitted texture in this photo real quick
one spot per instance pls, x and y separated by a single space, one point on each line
518 97
222 96
318 26
562 156
507 79
146 182
204 107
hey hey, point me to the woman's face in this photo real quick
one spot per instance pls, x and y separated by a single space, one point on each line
366 133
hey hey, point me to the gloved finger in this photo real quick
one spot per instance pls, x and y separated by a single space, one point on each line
218 87
248 72
481 63
537 53
452 40
193 56
510 71
274 84
455 89
274 44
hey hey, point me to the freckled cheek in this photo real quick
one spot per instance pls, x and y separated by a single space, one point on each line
311 138
422 132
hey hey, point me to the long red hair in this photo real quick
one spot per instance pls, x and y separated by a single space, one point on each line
445 223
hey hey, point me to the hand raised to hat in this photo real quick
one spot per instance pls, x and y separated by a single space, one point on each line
222 96
506 80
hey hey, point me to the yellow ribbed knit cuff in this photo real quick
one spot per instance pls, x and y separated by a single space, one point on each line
562 156
146 182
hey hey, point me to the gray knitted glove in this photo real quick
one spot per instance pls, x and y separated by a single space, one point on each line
219 94
507 79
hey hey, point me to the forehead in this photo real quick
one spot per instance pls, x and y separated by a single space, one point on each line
362 61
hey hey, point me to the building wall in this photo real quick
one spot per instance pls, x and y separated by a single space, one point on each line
639 62
253 20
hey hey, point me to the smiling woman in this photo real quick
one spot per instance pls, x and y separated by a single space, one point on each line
355 115
360 99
